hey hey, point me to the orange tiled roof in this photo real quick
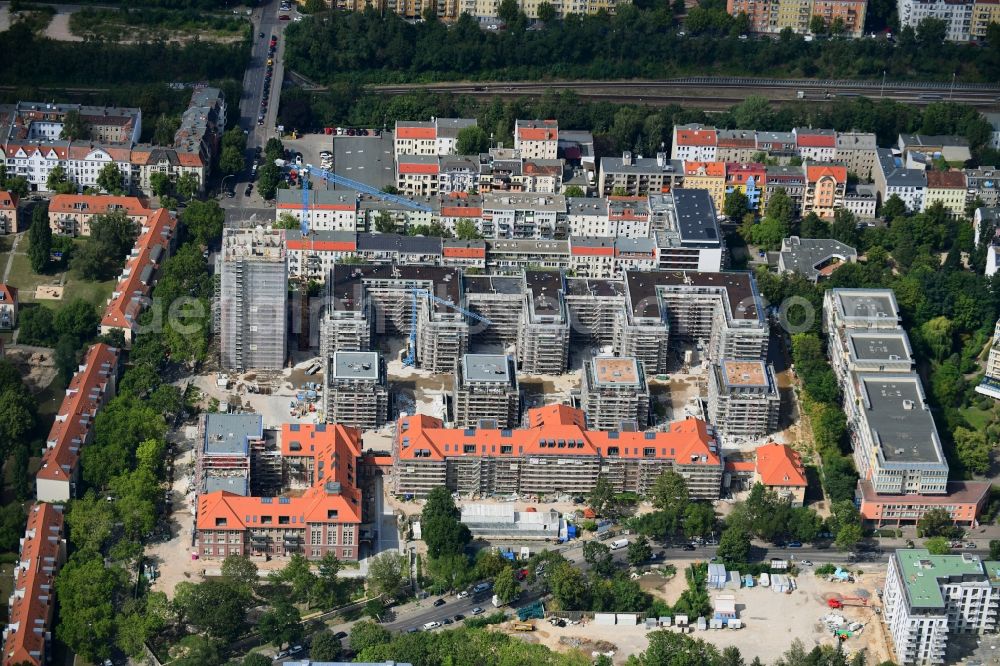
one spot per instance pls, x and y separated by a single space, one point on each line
322 246
537 134
780 465
714 169
416 133
9 293
816 171
89 389
702 137
461 211
150 248
97 204
34 577
8 201
418 168
687 441
809 140
464 252
337 447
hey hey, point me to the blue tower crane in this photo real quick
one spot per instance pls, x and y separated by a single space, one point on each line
411 352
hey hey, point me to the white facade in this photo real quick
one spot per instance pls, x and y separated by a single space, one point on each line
957 15
694 143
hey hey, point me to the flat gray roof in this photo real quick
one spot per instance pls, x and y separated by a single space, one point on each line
492 284
867 303
227 434
804 255
231 484
696 215
355 365
902 424
887 346
366 159
486 368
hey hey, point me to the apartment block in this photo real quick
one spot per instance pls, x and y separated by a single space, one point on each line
815 145
790 179
892 178
329 210
508 170
156 240
91 387
947 188
686 228
313 256
71 214
537 139
537 216
850 14
9 307
500 299
417 175
357 390
634 176
856 151
458 173
860 201
9 217
991 381
439 136
984 12
554 453
984 184
543 339
27 638
694 143
779 468
826 186
747 178
609 257
743 399
486 394
734 145
956 14
927 598
323 518
814 258
518 255
223 458
614 394
710 176
253 309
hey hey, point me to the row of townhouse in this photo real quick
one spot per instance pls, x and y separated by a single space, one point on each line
897 450
499 170
72 214
533 139
35 140
920 187
773 16
965 20
481 10
703 143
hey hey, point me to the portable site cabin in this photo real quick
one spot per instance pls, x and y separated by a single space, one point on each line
734 580
702 624
724 606
780 584
748 580
717 575
765 580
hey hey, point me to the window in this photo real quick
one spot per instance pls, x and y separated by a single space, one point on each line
346 553
348 535
331 535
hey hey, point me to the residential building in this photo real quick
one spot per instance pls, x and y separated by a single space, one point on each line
860 201
991 380
790 179
592 257
131 296
614 394
743 399
9 307
503 170
417 175
956 14
891 178
780 145
329 210
747 179
312 257
91 387
588 216
9 219
27 638
694 143
948 188
816 145
984 184
779 468
952 149
497 522
537 139
223 458
554 453
826 186
731 146
538 216
518 255
964 501
709 176
985 12
929 597
637 176
814 258
357 390
856 150
324 518
439 136
253 316
685 225
485 393
543 338
71 214
457 174
850 13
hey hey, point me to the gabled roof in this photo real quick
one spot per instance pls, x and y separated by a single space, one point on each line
8 294
780 465
8 200
99 204
814 172
713 169
706 136
951 180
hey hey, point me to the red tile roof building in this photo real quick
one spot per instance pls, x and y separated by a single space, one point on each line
537 139
826 187
324 518
28 634
555 453
779 468
9 307
71 214
130 297
9 222
89 390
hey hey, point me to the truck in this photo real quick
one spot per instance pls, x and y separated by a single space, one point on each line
618 544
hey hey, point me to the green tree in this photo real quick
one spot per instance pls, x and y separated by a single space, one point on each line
384 223
374 609
936 522
505 586
297 578
231 160
508 11
325 647
57 181
281 624
78 319
87 590
187 185
995 549
196 651
204 221
39 239
734 546
73 127
848 536
574 191
603 499
443 533
12 522
736 206
973 450
385 574
160 184
165 129
137 493
466 229
91 520
893 208
817 25
472 140
937 545
36 327
569 587
699 519
218 608
366 634
780 206
931 32
287 221
328 589
599 557
546 12
769 233
639 551
110 179
667 647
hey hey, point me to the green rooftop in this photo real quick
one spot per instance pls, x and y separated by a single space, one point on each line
921 572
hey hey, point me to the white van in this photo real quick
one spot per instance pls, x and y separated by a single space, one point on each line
619 543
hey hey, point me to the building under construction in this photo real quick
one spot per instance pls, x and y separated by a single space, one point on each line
743 399
357 390
252 299
486 393
614 393
543 339
222 460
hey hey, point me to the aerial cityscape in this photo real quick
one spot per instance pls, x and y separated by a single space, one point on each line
468 333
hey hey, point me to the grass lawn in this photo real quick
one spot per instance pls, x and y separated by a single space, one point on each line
978 418
74 286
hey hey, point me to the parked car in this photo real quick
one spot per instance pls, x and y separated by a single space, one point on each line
463 594
478 611
794 544
431 625
688 547
340 635
458 617
439 602
805 563
295 649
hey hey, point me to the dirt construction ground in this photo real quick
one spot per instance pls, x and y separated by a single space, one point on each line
771 622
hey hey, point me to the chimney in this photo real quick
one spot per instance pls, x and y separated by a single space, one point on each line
627 158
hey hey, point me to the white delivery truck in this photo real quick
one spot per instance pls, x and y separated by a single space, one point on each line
619 543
